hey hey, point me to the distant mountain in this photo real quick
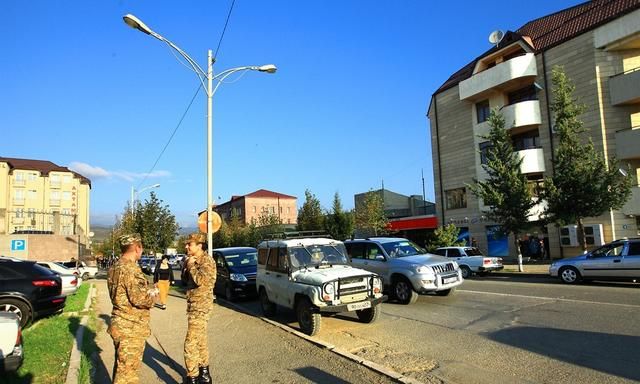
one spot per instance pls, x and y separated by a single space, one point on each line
187 230
100 232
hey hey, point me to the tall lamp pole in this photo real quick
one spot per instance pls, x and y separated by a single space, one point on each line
135 193
136 23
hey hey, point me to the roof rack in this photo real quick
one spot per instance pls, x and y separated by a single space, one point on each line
296 235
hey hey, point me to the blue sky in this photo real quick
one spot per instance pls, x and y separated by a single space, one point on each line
345 110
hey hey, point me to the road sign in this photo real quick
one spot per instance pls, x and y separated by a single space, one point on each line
18 245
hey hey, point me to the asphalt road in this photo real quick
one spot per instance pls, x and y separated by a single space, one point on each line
501 330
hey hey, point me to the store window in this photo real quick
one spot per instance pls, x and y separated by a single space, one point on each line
456 198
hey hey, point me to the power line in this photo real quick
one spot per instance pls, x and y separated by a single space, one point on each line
215 56
171 137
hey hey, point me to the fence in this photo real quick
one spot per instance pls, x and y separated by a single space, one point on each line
25 221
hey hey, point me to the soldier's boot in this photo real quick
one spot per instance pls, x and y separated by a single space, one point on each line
205 376
191 380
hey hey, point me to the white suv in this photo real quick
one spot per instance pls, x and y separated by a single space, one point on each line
312 276
471 260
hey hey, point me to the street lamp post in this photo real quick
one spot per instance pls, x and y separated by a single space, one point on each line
136 23
135 193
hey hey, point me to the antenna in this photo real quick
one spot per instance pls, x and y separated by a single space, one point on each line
496 36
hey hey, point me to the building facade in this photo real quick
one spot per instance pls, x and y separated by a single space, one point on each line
598 45
250 207
40 197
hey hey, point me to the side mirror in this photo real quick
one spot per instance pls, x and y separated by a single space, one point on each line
379 258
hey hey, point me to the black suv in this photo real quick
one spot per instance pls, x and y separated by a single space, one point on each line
29 290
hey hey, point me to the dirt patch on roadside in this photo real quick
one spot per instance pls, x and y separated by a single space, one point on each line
405 363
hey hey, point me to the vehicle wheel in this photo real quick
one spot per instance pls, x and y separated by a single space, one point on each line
268 308
308 318
466 271
19 308
228 293
403 291
445 292
85 276
569 275
369 315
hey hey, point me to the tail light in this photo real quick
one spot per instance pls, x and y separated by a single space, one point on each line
74 281
45 283
486 261
56 301
19 337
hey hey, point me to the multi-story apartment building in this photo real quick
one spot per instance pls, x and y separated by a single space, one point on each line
39 196
250 207
598 44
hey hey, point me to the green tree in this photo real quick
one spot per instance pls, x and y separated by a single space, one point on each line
505 191
338 223
310 216
445 236
584 184
369 215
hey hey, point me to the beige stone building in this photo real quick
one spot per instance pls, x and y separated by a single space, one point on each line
251 206
598 44
40 201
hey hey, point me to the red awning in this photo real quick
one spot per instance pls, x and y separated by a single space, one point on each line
419 222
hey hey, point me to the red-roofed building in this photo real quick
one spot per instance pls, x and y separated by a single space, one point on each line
251 206
598 44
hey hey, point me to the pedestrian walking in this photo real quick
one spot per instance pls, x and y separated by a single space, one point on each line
163 279
131 297
200 275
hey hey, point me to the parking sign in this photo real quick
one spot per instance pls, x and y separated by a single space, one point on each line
18 245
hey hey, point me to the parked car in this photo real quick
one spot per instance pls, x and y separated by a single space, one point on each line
29 290
313 276
407 269
236 271
70 281
11 350
471 260
84 271
150 266
618 260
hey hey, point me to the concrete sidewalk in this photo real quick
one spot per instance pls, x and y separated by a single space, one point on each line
244 349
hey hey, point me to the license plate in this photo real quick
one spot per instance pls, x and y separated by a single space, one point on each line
357 306
448 280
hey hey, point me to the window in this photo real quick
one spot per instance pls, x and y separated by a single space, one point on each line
634 249
32 176
262 256
254 209
32 194
54 178
535 183
441 252
277 261
523 94
453 252
31 213
19 213
356 250
66 196
19 176
288 210
66 179
456 198
527 140
55 195
484 148
18 194
372 251
482 111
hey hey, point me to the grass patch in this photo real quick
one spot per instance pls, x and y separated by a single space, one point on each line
75 303
89 348
47 348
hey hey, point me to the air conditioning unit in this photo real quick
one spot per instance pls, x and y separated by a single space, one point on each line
592 232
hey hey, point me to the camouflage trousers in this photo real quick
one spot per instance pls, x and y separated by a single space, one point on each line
196 348
129 352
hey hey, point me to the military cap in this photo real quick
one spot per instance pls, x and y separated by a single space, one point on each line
200 238
129 239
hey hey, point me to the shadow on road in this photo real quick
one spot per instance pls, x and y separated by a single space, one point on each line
316 375
612 354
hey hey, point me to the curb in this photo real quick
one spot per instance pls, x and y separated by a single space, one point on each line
332 348
74 360
521 274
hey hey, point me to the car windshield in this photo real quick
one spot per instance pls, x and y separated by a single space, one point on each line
402 249
242 259
318 255
473 252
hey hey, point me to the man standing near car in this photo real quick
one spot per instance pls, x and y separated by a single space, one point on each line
132 297
199 273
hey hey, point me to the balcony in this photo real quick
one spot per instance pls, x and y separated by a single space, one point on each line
625 88
522 114
628 144
532 160
504 75
535 213
632 206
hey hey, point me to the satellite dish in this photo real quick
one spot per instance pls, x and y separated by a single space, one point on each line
496 36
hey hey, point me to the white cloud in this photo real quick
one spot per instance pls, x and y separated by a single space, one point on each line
93 172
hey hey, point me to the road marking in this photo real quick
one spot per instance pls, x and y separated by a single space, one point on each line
551 298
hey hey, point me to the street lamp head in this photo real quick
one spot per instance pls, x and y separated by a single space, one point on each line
136 23
155 185
268 68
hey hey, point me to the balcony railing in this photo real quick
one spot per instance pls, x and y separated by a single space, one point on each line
632 206
625 87
18 201
54 202
511 71
522 114
532 160
628 144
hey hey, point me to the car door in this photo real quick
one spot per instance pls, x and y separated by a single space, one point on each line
278 274
631 261
356 251
605 261
375 260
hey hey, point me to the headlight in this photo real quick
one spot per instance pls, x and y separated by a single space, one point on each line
237 277
329 289
423 269
376 284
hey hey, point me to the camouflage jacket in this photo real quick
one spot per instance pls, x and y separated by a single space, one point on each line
129 292
200 276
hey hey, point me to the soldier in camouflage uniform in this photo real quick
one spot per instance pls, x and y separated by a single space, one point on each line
200 275
132 297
